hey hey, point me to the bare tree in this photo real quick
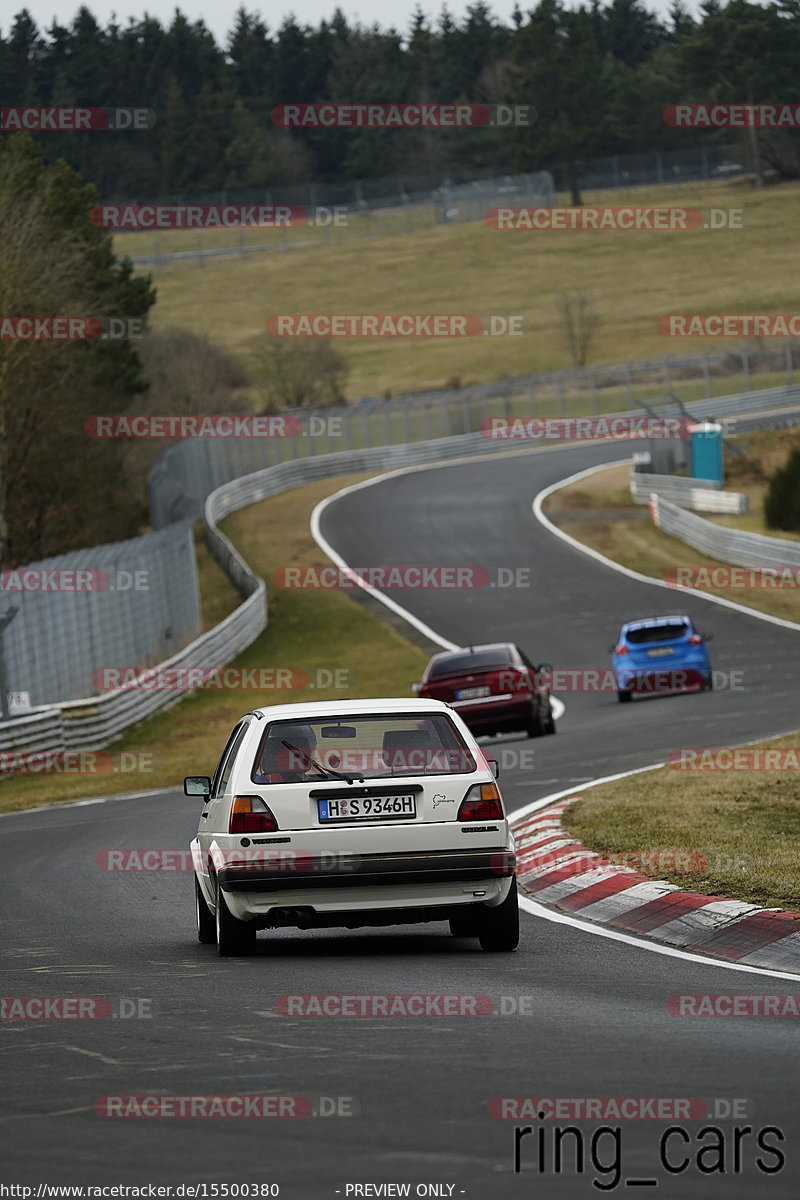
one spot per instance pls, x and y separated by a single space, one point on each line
579 324
308 372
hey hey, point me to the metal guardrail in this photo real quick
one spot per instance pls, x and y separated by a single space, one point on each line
700 495
186 472
95 722
725 545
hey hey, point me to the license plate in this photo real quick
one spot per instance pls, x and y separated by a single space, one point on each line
472 693
660 651
368 808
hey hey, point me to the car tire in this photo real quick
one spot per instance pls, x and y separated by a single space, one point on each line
206 925
550 721
465 925
499 927
234 937
533 725
708 685
624 697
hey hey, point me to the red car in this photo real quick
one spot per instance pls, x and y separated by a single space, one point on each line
493 688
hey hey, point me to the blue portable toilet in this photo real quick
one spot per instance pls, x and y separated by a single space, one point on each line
707 453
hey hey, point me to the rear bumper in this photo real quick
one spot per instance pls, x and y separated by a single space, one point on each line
372 870
494 710
653 680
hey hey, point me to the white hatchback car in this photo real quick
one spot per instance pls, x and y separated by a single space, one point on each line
352 813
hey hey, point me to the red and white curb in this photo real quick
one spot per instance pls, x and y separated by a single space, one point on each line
556 869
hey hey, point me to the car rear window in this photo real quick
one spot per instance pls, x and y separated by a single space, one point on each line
657 633
466 664
375 746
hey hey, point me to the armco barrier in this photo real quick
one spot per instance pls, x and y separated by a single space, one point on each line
725 545
94 723
701 495
189 470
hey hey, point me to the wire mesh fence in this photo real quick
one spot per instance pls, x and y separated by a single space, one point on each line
123 605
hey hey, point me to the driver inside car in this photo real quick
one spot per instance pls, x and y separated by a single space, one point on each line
282 764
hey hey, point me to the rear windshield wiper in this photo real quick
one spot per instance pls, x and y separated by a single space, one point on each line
329 771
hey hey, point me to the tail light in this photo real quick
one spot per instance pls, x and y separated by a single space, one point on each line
695 640
481 803
249 814
621 649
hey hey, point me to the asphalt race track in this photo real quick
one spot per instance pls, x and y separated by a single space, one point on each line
577 1015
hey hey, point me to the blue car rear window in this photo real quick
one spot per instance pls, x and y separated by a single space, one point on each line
656 633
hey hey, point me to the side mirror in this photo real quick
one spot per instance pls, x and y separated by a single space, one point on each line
197 785
545 667
494 767
707 637
415 687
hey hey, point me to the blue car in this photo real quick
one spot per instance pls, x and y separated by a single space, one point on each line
660 654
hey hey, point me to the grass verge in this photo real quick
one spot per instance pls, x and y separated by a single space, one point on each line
318 632
738 830
632 277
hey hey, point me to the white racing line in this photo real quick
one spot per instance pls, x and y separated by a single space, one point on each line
528 905
538 512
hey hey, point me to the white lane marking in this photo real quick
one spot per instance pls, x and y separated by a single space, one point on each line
557 705
57 806
538 512
614 935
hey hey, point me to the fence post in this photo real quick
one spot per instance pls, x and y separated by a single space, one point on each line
560 385
746 369
706 376
667 379
629 384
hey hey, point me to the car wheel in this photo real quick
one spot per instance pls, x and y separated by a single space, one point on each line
234 937
533 726
623 697
206 926
709 683
549 721
465 925
499 927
